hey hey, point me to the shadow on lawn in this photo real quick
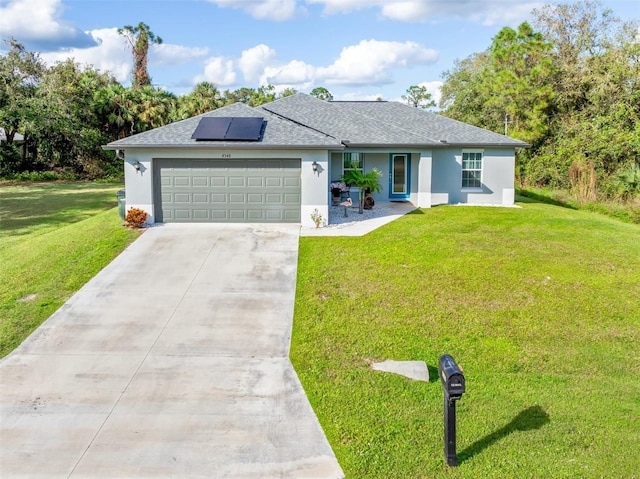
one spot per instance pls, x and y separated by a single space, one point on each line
526 196
531 418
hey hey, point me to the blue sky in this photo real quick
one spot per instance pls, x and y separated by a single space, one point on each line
358 49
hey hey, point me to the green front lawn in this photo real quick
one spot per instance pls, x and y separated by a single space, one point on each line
540 306
54 237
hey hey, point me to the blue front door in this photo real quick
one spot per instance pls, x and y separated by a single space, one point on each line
399 175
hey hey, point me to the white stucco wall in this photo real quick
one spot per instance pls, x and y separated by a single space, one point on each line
436 175
139 185
497 177
423 178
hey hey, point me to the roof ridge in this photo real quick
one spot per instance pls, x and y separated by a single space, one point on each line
291 120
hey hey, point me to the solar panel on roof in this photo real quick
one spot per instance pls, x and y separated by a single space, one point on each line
244 128
228 128
211 128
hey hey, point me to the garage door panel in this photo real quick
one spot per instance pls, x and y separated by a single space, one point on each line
180 214
179 181
200 181
182 198
251 190
292 182
236 182
201 198
256 215
274 182
273 198
274 215
200 214
237 215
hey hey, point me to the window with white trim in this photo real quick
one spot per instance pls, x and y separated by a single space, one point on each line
472 169
352 161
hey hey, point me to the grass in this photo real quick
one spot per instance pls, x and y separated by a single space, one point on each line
54 238
540 306
627 211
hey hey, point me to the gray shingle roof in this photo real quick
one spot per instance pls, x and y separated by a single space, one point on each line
430 125
277 133
302 121
384 123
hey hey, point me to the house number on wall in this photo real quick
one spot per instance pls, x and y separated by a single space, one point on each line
226 155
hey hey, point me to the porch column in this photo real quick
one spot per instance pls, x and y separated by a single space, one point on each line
424 180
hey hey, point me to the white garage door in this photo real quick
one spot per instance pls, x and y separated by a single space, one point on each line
231 191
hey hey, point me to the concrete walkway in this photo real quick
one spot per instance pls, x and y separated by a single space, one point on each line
356 224
171 362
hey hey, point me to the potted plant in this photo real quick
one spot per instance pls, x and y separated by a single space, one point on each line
337 187
364 181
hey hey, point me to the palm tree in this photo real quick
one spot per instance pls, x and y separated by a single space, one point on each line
153 107
364 181
204 97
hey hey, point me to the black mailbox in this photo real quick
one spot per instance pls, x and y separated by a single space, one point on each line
452 381
451 377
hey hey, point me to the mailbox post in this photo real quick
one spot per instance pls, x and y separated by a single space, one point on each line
452 381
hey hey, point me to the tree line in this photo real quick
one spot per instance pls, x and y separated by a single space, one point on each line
56 118
569 85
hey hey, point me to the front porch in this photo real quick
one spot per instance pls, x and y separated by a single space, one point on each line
356 224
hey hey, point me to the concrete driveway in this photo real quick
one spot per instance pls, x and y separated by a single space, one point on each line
171 362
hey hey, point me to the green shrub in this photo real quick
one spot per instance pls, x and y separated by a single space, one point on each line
627 182
40 176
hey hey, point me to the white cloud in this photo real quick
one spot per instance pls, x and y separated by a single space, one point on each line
433 87
344 6
371 62
278 10
37 23
254 61
358 96
511 14
168 54
110 54
487 12
219 71
295 72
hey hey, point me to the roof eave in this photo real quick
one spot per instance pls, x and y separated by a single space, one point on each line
435 145
225 146
482 145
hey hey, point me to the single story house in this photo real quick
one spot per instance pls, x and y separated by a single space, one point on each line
275 162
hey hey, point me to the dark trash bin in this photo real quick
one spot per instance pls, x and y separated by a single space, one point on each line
121 203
